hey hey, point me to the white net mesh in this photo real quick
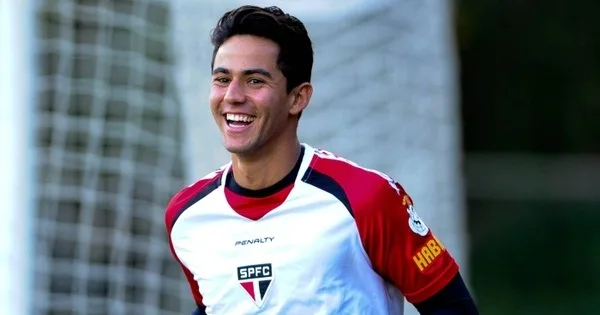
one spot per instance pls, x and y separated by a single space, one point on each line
109 152
385 95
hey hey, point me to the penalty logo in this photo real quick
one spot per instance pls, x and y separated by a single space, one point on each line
256 281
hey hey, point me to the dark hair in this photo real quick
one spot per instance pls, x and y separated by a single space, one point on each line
295 58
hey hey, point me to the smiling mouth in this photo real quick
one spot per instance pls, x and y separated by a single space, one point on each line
238 120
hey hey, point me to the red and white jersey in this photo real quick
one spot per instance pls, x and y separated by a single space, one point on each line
336 239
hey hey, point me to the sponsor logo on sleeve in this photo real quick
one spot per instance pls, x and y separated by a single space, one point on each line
428 253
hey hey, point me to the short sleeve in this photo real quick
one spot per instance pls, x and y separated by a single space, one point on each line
401 247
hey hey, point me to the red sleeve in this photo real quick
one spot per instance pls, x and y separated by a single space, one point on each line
401 247
174 209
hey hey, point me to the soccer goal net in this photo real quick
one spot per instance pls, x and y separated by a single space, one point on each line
109 151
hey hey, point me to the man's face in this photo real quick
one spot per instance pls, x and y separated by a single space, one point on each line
248 98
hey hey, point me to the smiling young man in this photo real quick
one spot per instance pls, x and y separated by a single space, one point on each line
288 229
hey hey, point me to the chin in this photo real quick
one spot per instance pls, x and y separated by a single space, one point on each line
239 148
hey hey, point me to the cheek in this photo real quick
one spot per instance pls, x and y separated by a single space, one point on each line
273 105
215 98
282 107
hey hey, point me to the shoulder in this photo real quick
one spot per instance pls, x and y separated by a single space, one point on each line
192 194
361 184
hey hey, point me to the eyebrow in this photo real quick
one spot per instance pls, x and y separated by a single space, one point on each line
245 72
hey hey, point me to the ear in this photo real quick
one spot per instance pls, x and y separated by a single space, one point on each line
300 97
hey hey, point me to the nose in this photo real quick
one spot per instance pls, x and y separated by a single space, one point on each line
235 93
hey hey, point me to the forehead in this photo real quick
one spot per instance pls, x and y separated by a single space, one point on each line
246 51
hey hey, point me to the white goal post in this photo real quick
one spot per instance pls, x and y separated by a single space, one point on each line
16 156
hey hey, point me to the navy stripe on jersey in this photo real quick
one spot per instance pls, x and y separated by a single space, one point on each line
328 184
216 182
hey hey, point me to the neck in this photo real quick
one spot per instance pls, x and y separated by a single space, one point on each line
266 168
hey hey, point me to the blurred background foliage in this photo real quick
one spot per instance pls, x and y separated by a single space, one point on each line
530 75
530 85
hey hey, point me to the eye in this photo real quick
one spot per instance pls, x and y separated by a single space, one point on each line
255 81
221 80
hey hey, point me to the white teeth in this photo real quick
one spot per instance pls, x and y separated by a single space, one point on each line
239 117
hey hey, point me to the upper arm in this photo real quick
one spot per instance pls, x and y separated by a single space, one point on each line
178 204
194 288
402 249
171 213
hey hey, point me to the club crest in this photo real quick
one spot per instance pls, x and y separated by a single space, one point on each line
256 281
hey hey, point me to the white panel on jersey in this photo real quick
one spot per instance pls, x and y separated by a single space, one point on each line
311 245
